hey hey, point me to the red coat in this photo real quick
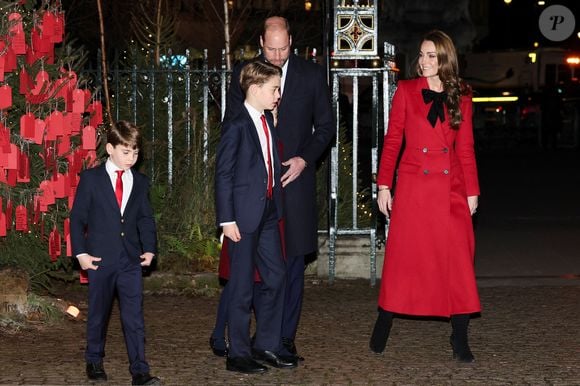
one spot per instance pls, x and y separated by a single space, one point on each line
428 268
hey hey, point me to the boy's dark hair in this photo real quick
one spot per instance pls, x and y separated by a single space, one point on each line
257 72
125 134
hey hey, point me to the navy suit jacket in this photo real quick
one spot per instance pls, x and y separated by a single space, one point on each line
96 224
305 128
241 177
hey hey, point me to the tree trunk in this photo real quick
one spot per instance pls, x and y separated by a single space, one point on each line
104 61
227 35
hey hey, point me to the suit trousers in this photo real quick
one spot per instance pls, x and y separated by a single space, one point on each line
294 295
260 249
125 279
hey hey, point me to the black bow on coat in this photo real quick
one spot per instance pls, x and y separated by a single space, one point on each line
436 110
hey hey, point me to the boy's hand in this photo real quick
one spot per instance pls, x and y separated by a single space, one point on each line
146 259
232 232
88 262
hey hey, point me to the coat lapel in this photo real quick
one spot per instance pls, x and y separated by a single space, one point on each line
290 83
109 191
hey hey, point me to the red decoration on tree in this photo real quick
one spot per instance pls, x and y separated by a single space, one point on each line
5 97
18 42
21 218
54 244
23 168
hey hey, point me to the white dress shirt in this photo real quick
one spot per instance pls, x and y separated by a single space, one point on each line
127 178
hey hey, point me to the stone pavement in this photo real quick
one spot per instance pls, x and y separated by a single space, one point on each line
527 335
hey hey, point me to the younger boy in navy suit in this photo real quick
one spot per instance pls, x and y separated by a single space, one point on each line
248 207
113 235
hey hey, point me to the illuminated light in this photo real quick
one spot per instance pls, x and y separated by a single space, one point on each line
573 60
507 1
506 93
307 5
532 56
536 44
495 99
540 3
578 34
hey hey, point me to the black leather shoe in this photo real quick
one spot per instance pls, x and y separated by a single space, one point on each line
245 365
96 372
220 352
145 379
461 354
291 347
275 360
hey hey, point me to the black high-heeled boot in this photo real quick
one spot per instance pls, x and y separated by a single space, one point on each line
381 331
458 339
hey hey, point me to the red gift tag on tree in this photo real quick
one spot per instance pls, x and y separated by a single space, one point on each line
96 110
63 145
54 125
58 185
66 124
12 158
46 193
2 62
39 126
10 62
66 234
58 28
54 244
78 101
41 83
2 224
48 22
75 122
89 138
25 82
8 213
23 168
71 197
18 41
27 126
4 139
11 177
5 97
21 218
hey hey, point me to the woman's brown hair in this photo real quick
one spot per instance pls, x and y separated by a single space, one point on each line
448 74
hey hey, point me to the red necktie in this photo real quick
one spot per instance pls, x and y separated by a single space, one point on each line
119 187
270 174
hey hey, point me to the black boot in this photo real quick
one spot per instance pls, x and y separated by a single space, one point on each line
458 339
381 331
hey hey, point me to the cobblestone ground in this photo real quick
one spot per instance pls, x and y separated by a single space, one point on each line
527 335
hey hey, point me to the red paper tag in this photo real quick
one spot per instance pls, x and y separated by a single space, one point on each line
78 100
4 139
17 31
89 138
75 122
23 168
12 158
5 97
11 177
71 196
2 224
54 244
25 82
39 126
63 145
27 126
48 24
54 125
8 213
58 28
58 185
21 218
41 82
10 60
96 110
46 193
66 124
66 234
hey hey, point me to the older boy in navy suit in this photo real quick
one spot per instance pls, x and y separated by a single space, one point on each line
113 235
249 205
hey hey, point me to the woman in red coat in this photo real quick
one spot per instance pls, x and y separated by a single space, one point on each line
428 268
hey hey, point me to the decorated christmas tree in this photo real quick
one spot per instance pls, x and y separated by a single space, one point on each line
49 125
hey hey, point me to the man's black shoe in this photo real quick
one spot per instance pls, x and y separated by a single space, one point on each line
96 372
145 379
275 360
291 347
217 351
245 365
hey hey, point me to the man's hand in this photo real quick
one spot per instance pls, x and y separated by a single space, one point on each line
146 259
88 262
232 232
295 167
